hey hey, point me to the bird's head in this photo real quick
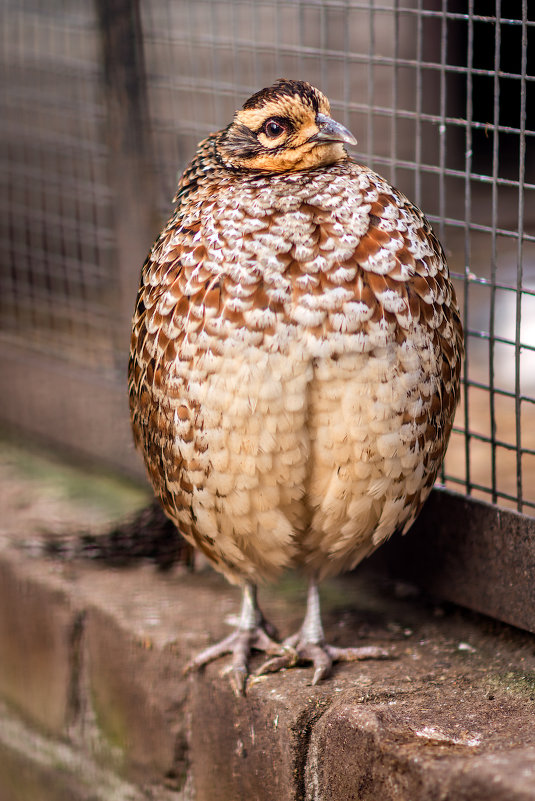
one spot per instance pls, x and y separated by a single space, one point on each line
282 128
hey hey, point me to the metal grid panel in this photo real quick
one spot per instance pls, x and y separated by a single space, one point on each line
436 93
56 218
440 94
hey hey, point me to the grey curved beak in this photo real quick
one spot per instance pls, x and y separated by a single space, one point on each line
332 131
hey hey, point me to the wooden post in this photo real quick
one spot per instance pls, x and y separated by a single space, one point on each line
131 166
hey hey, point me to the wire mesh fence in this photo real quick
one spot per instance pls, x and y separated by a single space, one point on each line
57 208
104 103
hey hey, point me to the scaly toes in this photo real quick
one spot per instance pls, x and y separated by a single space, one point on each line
240 644
226 646
292 652
288 658
302 654
321 655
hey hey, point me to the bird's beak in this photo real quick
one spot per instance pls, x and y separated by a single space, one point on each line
332 131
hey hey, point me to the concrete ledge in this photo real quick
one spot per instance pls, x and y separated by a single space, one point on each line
254 747
136 697
39 625
385 757
91 661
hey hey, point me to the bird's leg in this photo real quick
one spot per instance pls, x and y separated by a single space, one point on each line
308 644
312 628
252 632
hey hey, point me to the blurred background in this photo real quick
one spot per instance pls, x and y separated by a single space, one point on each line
103 103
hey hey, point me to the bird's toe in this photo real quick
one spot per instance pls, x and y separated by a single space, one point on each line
240 644
357 654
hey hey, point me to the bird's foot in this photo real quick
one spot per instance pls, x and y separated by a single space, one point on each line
240 644
299 651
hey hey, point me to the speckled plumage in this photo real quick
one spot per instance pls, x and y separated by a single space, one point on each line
295 361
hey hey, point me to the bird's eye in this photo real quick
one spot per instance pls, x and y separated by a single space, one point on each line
272 128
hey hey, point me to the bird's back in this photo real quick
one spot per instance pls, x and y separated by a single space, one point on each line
295 365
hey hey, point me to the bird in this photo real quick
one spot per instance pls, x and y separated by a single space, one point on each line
295 363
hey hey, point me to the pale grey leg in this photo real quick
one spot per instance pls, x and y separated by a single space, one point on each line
250 634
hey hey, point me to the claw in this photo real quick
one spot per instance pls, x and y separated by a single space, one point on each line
320 659
238 678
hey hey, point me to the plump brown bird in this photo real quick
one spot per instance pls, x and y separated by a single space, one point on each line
295 361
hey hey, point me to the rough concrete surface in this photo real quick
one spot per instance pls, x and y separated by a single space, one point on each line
96 707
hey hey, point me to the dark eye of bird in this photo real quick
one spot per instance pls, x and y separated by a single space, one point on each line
272 128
